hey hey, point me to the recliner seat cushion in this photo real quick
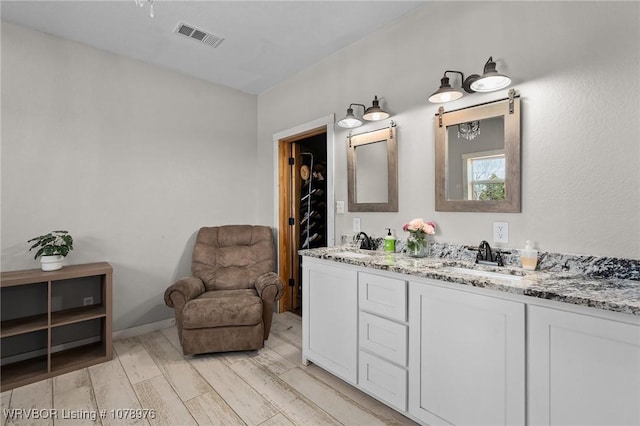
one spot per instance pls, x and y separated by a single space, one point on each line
229 308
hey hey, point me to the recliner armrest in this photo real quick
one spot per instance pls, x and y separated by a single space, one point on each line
188 287
269 286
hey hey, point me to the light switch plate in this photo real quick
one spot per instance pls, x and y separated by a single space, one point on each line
500 232
339 207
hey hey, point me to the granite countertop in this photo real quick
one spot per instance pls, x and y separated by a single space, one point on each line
611 294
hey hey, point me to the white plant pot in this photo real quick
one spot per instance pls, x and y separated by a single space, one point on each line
51 263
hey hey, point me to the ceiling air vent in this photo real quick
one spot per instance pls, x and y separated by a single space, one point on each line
198 34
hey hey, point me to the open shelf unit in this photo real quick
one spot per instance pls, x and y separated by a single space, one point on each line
45 327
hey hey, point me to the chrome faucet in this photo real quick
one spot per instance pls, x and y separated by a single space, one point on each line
485 256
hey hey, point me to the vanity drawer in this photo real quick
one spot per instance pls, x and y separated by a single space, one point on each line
384 380
383 337
383 295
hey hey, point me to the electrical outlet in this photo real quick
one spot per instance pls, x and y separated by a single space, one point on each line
339 207
87 301
356 224
500 232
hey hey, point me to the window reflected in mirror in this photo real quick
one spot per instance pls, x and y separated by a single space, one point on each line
484 176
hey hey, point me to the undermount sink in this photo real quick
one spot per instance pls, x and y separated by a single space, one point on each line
481 273
352 255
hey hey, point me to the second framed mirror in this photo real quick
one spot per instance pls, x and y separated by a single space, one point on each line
478 158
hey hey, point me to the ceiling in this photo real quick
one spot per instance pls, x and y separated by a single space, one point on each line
265 42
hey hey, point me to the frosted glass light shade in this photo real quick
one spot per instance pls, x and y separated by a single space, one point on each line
490 83
491 79
350 121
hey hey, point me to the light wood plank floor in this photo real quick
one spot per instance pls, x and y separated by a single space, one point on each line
149 372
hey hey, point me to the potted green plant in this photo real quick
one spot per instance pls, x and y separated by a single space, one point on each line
52 248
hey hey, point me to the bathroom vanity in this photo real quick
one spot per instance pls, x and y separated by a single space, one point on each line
448 343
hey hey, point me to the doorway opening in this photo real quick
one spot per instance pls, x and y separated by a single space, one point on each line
304 218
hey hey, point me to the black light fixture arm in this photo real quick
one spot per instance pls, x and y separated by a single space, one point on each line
363 107
466 83
489 66
457 72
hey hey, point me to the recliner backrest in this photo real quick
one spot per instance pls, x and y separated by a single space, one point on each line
232 256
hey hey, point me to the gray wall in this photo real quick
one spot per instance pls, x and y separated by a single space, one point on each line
576 65
130 158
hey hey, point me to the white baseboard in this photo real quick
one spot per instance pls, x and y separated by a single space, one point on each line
143 329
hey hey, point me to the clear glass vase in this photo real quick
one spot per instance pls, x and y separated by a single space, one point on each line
417 244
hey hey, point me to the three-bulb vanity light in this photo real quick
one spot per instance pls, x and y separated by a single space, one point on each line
490 81
373 113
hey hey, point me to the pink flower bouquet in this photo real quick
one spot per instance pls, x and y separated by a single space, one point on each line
418 230
420 226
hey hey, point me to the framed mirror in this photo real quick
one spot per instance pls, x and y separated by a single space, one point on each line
478 158
372 171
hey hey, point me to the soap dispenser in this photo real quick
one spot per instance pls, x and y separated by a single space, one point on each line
389 242
529 257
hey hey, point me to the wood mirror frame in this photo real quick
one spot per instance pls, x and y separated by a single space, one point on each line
387 136
509 109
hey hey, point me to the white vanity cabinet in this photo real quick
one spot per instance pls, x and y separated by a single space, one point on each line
448 354
467 357
582 369
383 338
330 317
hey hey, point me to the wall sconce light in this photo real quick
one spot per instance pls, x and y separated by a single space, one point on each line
446 93
373 113
490 81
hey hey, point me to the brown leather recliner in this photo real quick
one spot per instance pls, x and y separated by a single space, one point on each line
228 303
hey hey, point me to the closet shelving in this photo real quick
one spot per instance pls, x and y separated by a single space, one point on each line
312 211
313 208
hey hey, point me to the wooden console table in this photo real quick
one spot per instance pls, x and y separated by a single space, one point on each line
54 322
